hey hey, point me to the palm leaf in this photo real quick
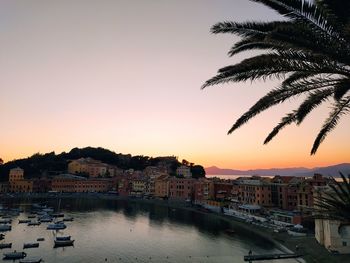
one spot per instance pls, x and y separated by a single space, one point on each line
339 109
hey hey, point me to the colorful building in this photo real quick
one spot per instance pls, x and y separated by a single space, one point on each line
161 186
181 188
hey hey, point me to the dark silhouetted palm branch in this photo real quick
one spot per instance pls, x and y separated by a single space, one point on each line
334 203
310 51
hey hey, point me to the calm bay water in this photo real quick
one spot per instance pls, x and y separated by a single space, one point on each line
121 231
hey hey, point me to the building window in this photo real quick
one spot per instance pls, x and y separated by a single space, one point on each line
344 244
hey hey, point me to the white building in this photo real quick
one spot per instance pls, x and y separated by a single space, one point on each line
332 234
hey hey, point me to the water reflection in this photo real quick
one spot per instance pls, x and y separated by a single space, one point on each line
123 231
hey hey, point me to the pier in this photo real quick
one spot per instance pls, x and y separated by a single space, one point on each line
262 257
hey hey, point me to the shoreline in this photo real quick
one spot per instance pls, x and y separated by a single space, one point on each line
311 250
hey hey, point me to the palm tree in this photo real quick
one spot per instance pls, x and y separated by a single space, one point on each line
309 50
334 203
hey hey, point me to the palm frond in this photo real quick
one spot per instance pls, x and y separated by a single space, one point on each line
288 119
279 95
276 64
297 76
311 102
302 12
246 29
341 89
339 109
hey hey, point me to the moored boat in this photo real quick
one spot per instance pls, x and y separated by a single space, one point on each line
5 245
30 245
14 255
5 227
23 221
38 260
2 236
45 219
63 243
34 223
63 238
68 219
6 221
56 226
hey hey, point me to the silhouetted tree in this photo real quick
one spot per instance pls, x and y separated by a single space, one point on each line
197 171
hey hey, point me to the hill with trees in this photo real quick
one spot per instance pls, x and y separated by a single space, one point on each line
51 163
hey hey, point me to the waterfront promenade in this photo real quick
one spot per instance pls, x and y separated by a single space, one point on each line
308 246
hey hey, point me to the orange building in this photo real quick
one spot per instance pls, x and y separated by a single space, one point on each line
181 188
93 185
91 167
16 174
161 186
77 184
21 186
255 191
17 182
65 183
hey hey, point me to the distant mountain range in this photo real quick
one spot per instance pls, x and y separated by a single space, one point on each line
298 171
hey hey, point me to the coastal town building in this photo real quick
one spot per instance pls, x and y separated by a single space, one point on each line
184 171
16 174
17 183
305 196
92 168
162 187
68 183
255 191
42 185
4 187
203 190
181 188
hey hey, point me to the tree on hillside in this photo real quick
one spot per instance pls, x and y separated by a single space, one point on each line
1 161
197 171
309 49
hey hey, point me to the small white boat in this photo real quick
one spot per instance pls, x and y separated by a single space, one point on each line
56 226
40 239
68 219
14 255
64 243
5 227
30 245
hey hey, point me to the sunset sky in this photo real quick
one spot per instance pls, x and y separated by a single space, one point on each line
126 75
